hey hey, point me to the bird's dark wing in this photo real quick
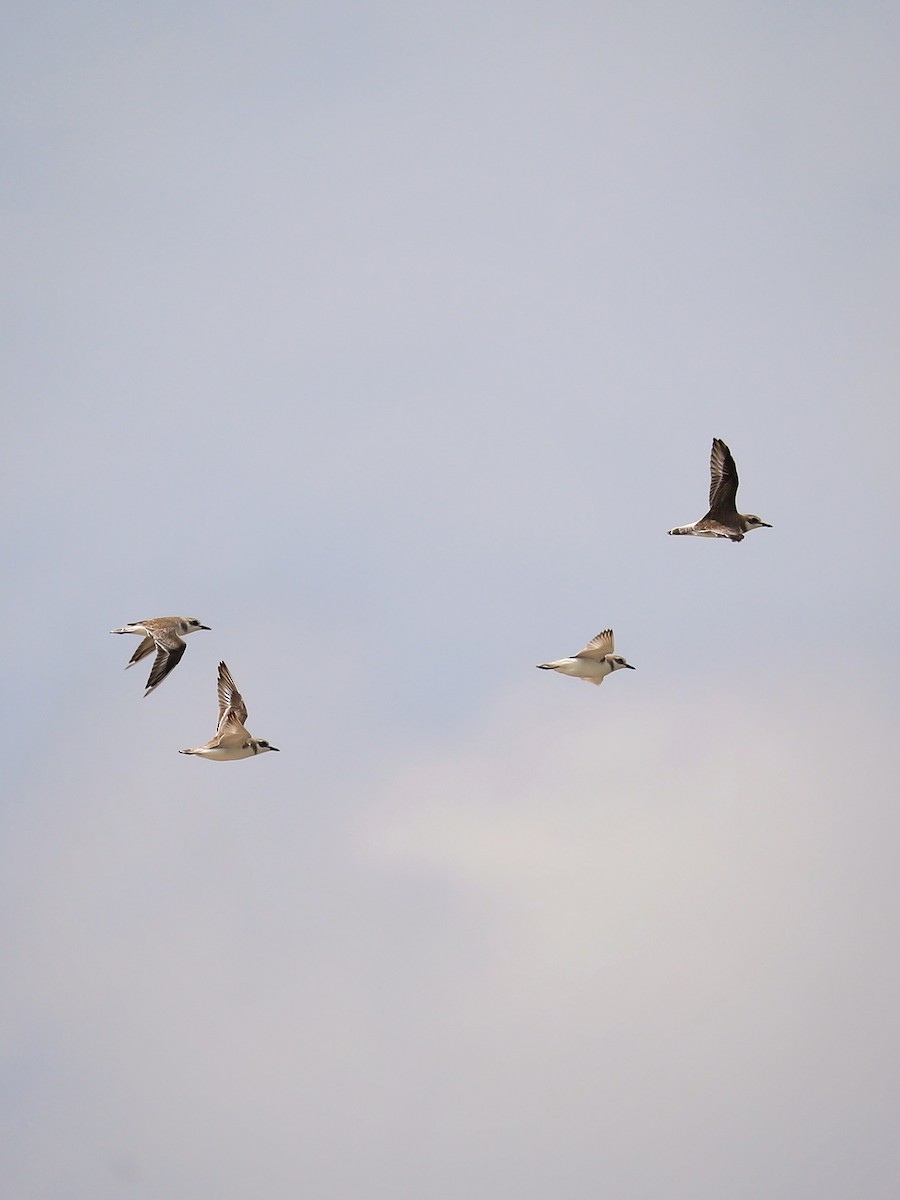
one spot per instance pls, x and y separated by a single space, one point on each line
723 479
167 659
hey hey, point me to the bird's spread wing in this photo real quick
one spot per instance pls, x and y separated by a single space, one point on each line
598 647
146 646
723 478
232 709
231 737
167 659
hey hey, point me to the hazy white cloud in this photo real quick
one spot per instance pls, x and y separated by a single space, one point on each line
390 341
519 955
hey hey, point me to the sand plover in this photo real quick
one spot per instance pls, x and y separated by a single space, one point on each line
593 663
232 741
161 634
723 519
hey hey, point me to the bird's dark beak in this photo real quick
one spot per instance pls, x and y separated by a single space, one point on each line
766 525
630 667
205 627
275 748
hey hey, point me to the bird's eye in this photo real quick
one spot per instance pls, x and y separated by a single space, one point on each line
264 743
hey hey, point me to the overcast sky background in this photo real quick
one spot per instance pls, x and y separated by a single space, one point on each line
389 339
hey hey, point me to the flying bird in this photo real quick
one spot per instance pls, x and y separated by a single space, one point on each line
161 634
593 663
232 740
723 519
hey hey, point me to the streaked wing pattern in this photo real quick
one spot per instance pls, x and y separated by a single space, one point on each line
146 647
232 709
167 659
723 479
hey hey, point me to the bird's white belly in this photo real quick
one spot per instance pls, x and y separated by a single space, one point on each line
583 668
226 753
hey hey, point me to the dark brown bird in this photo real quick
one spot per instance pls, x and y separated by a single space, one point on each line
723 519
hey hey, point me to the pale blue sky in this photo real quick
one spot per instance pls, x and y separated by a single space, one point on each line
389 340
